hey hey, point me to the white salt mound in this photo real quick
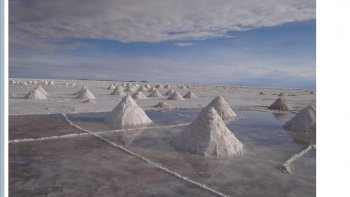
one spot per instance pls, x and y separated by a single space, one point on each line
118 92
139 96
51 83
208 135
159 86
223 108
155 93
143 89
169 92
304 121
175 96
80 91
131 89
128 114
119 88
35 94
190 94
41 89
280 104
110 87
86 94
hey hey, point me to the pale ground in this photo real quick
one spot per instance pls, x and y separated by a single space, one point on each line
74 166
61 99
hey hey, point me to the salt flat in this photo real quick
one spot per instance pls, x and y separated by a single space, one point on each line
62 100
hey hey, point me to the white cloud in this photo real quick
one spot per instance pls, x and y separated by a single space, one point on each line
33 23
183 44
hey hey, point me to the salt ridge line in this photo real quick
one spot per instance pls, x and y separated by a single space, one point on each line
286 166
16 141
200 185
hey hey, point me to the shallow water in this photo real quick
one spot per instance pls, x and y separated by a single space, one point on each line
257 172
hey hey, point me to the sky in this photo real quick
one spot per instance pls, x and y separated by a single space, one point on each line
233 42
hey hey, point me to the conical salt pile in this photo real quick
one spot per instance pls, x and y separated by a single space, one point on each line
175 96
51 83
128 114
223 108
167 86
261 93
118 92
162 105
35 94
139 96
281 94
169 92
190 94
86 94
148 86
130 89
111 87
143 89
119 88
155 93
208 135
304 121
41 89
159 86
280 104
152 89
80 91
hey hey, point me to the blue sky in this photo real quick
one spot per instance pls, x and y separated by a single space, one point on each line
245 45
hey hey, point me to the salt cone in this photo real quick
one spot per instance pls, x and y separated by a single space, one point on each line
208 135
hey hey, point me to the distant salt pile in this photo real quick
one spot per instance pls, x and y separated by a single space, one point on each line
35 82
169 92
118 92
119 88
25 83
80 91
139 96
159 86
281 94
51 83
148 86
41 89
190 94
130 89
66 83
304 121
223 108
143 89
73 84
155 93
175 96
45 82
128 114
86 94
167 86
111 87
261 93
208 135
280 104
312 92
35 94
152 89
162 105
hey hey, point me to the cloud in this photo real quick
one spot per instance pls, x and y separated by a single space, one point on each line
183 44
35 23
